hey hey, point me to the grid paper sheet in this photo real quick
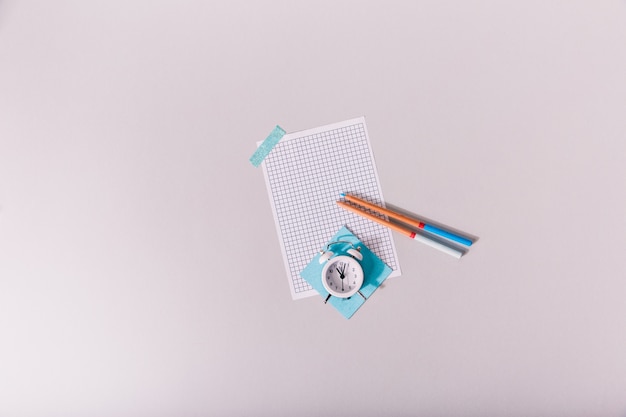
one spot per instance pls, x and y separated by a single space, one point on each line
305 174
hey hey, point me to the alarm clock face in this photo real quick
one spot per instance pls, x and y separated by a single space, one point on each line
342 276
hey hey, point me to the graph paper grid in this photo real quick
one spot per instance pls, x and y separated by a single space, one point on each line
305 174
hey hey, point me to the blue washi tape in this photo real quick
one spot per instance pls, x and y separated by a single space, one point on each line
267 145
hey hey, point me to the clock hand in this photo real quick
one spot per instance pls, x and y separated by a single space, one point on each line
342 275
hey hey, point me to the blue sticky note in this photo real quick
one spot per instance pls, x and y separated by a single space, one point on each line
375 271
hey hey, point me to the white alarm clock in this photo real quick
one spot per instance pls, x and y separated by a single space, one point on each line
342 275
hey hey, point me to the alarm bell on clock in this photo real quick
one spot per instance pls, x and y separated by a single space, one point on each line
342 275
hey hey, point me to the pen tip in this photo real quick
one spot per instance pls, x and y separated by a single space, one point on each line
343 194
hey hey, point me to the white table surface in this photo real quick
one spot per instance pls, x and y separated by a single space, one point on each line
140 269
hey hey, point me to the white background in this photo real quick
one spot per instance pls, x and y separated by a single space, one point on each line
140 270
